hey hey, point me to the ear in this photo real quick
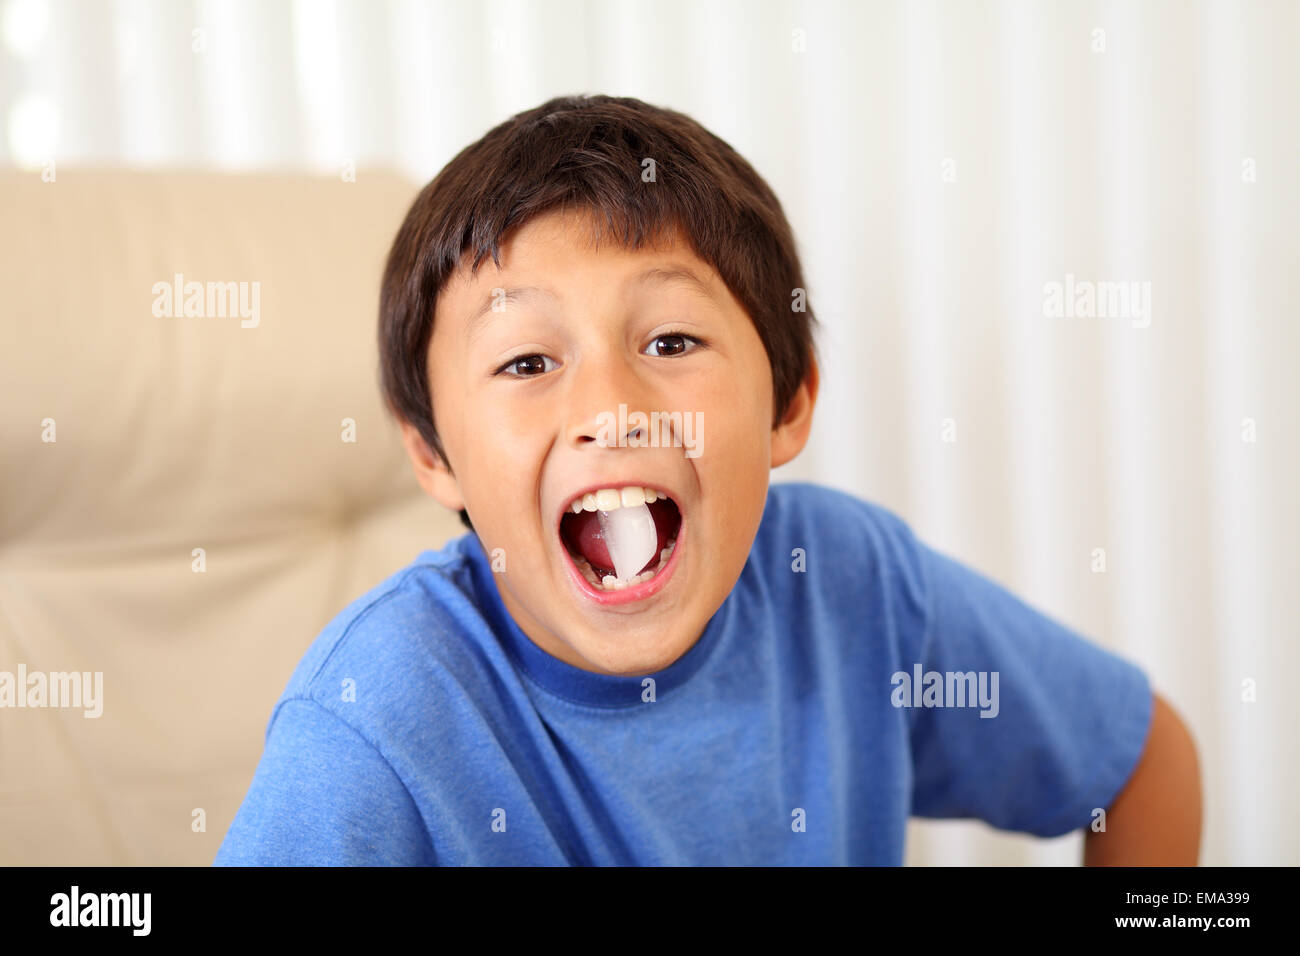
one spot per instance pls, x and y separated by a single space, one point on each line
791 433
431 471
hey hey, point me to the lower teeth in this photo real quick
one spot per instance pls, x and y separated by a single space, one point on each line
610 583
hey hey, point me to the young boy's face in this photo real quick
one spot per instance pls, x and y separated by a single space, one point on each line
527 388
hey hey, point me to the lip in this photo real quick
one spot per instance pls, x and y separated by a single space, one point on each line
638 592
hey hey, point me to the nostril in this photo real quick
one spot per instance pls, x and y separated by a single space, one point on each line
613 430
610 438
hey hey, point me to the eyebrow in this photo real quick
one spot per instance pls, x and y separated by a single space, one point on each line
658 275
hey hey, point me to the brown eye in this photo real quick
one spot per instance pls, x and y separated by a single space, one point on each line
527 366
667 346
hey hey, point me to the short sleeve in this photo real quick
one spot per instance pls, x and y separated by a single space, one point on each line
1066 724
323 796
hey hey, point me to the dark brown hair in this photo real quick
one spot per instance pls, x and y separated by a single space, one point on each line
591 152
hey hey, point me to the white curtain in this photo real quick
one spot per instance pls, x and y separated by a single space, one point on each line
942 164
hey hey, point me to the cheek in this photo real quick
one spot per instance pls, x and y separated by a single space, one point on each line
504 433
734 463
504 450
736 458
737 426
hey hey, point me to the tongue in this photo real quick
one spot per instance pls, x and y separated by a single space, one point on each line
630 537
586 534
624 540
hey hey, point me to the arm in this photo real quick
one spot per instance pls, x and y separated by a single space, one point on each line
323 796
1156 819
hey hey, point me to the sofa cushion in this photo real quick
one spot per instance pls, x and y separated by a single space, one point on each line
199 514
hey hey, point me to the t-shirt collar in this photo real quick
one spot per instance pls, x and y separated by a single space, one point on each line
571 683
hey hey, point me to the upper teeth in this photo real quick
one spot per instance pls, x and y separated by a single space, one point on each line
609 499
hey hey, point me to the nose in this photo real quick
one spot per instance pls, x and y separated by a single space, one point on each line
603 392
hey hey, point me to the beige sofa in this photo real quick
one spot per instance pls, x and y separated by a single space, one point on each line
198 515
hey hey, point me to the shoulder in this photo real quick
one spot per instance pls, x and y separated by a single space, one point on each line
398 643
830 511
850 534
844 555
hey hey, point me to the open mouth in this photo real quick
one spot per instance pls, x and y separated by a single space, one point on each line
621 537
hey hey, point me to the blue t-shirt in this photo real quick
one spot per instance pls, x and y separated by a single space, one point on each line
852 677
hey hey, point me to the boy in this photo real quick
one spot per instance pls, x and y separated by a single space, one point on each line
643 654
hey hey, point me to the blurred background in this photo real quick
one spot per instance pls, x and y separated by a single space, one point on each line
951 170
